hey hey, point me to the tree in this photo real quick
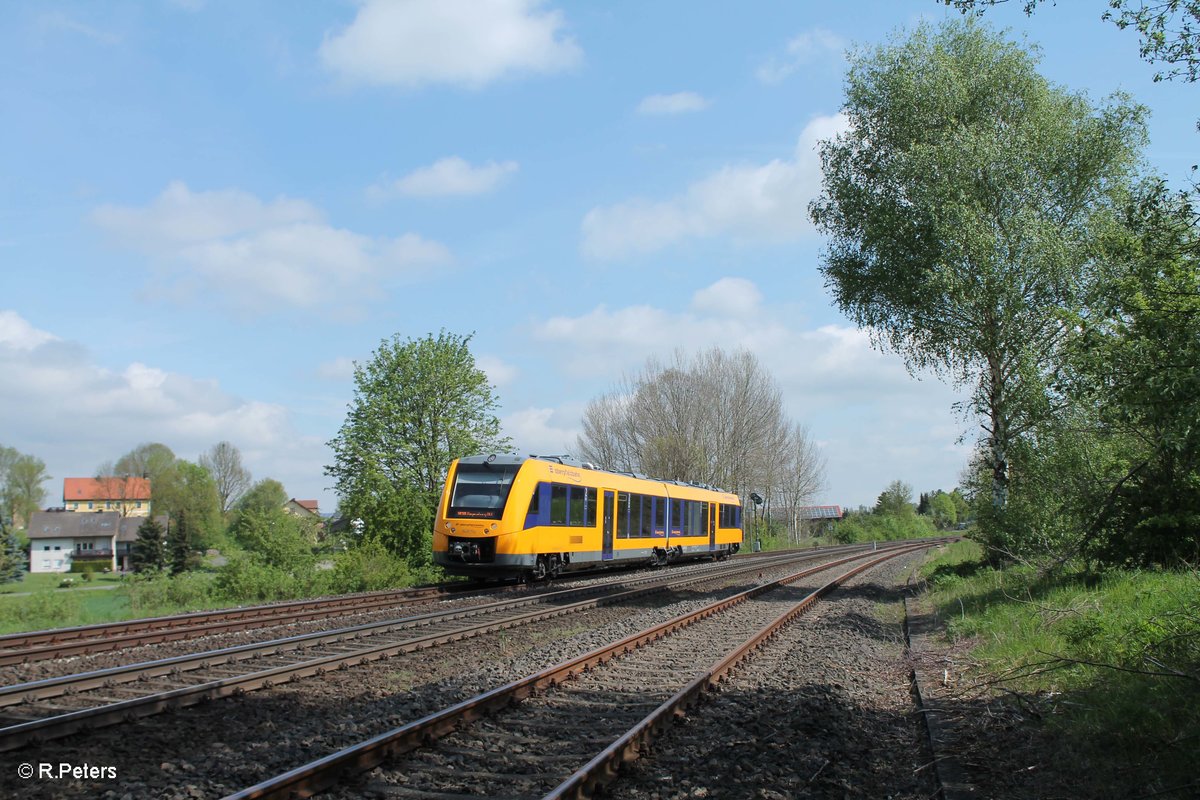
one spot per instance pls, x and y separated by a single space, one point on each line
13 555
714 418
941 508
188 487
960 207
183 543
418 404
149 549
149 460
895 500
265 496
21 493
224 463
1169 30
276 536
1136 360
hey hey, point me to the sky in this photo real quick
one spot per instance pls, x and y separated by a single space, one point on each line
209 211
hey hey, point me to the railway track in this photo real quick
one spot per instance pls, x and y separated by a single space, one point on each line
21 648
40 710
565 730
33 646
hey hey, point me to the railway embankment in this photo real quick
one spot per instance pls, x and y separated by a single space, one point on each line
1058 683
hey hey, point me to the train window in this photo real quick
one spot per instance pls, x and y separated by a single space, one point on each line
695 520
558 504
480 490
676 515
660 513
622 515
576 506
535 501
589 509
647 526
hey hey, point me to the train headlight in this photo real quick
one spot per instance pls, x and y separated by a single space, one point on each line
493 526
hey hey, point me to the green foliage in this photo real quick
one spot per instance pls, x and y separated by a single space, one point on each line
149 550
1137 358
1111 661
277 537
246 578
872 527
86 568
13 556
895 499
44 609
187 487
418 404
183 543
150 460
187 592
1169 31
21 492
369 567
961 206
943 511
266 496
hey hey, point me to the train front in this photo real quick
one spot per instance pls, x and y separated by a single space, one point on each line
480 518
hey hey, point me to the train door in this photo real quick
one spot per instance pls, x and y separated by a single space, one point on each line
712 526
610 520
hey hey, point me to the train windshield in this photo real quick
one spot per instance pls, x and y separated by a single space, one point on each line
480 490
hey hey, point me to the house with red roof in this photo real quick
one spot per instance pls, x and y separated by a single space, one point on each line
128 495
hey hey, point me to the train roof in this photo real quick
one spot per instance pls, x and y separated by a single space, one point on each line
514 459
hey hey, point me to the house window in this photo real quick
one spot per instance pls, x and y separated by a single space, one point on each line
139 503
91 505
45 547
56 547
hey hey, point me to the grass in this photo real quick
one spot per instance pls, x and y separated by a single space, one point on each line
1113 658
34 582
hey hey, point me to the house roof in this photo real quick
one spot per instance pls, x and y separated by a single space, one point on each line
73 525
820 512
122 488
309 505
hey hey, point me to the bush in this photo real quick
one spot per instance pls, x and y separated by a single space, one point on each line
246 579
42 609
159 591
883 527
87 567
369 567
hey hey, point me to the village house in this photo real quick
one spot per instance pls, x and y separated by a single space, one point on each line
127 495
58 539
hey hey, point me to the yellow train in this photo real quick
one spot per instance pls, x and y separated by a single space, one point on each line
508 515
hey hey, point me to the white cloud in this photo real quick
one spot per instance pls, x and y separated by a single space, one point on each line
499 371
75 414
260 256
463 42
543 431
17 334
339 369
728 296
448 176
875 421
752 202
678 103
801 50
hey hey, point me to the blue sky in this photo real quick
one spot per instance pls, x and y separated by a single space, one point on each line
209 210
